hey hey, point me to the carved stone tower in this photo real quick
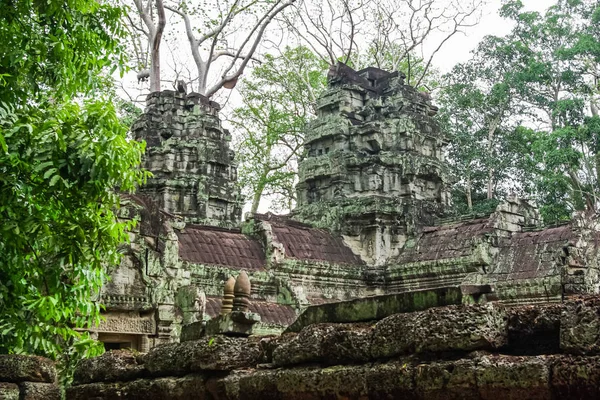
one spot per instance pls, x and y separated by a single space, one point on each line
188 153
374 165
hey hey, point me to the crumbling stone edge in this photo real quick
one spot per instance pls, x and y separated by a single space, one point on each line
468 351
25 377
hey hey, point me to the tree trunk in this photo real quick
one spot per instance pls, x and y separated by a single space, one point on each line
578 196
491 133
469 196
257 196
155 52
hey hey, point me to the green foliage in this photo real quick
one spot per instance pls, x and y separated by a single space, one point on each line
64 156
55 46
278 101
544 75
476 106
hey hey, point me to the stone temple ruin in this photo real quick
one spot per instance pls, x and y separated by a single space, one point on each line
369 237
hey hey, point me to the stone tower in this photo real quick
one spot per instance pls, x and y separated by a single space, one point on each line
188 153
374 162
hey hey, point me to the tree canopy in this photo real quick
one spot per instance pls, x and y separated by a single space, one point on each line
64 156
522 112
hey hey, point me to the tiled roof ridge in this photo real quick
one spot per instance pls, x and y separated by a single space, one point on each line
455 224
211 228
281 219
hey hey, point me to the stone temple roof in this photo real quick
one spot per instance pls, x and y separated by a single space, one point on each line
533 254
301 242
270 313
217 246
446 241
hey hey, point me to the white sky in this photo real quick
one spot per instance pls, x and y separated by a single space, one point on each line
454 51
458 50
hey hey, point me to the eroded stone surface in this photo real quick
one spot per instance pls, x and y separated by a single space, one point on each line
172 388
9 391
328 344
21 368
112 366
218 353
580 326
576 377
39 391
455 328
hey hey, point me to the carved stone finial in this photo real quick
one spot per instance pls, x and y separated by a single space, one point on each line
181 86
228 294
241 291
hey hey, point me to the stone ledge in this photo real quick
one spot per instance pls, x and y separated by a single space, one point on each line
172 388
218 353
421 355
376 307
112 366
476 376
22 368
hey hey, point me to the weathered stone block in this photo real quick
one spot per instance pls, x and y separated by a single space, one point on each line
515 378
193 331
259 385
454 328
220 353
112 366
39 391
172 388
580 326
376 307
345 382
327 343
393 380
9 391
445 380
21 368
576 377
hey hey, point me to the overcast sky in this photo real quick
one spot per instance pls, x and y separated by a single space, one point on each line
491 24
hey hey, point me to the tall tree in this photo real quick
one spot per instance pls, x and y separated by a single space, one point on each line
477 108
153 17
404 33
223 37
551 80
278 101
63 155
544 71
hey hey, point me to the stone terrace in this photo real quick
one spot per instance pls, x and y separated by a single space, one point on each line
454 352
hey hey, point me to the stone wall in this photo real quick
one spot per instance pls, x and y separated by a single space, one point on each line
27 378
188 153
374 168
453 352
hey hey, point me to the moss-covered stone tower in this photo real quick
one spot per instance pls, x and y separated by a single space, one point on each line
188 153
374 166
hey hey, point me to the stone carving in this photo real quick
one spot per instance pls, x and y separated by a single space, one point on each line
241 292
127 323
228 295
189 155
